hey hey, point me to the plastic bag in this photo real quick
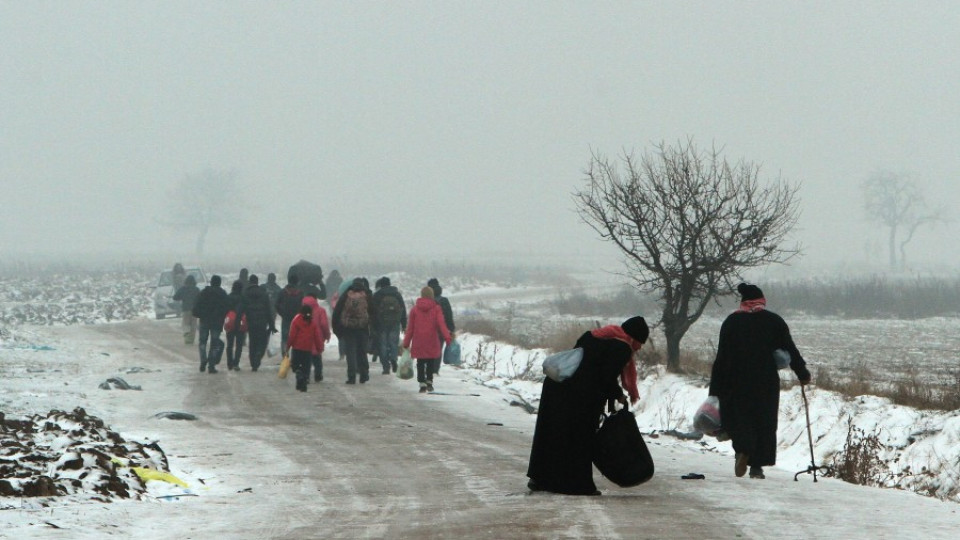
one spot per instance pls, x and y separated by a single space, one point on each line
284 367
782 357
451 355
405 366
562 365
707 418
620 453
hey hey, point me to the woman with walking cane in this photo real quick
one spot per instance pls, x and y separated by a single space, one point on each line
746 382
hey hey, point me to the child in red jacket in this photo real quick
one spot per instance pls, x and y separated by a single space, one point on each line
305 337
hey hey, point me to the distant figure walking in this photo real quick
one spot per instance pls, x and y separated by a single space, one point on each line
745 379
561 459
304 338
211 308
425 330
256 307
288 306
187 295
351 323
391 313
444 303
319 318
236 335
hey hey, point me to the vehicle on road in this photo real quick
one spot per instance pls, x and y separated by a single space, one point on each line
163 303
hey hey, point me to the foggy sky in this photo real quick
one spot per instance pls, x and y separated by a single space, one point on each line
457 129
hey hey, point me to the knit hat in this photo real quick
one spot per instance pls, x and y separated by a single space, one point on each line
426 292
215 281
749 292
636 327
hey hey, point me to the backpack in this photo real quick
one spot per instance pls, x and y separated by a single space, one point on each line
355 314
288 305
389 310
230 322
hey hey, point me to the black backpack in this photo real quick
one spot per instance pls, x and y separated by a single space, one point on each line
390 310
288 305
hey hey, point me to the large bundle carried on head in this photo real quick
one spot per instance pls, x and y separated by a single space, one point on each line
307 272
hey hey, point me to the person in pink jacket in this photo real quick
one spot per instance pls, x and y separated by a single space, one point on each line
425 325
304 338
323 324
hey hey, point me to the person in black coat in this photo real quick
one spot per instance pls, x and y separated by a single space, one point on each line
211 308
745 379
439 298
561 458
256 307
235 336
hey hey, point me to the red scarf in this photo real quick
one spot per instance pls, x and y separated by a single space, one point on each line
751 306
628 377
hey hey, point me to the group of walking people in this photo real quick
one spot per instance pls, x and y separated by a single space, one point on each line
744 378
365 323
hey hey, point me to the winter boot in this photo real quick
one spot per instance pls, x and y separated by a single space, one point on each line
740 466
757 472
423 388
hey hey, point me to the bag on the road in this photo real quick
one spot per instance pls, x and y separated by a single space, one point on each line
216 351
405 366
562 365
451 355
619 451
284 367
707 418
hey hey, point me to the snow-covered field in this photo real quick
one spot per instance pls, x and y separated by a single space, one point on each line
919 450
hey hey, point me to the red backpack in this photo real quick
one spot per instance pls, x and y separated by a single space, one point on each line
230 322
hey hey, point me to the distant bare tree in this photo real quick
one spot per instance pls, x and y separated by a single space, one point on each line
688 222
203 201
897 203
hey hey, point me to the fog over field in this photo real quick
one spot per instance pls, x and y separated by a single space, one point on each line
457 130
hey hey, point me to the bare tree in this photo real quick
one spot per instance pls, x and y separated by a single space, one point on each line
688 222
203 201
897 203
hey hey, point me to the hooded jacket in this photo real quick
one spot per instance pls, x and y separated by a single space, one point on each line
319 320
424 327
304 335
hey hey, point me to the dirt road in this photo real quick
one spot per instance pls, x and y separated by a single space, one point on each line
379 460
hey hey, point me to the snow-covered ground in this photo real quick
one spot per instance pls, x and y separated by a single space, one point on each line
43 370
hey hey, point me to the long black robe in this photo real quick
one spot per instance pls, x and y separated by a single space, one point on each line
745 380
561 459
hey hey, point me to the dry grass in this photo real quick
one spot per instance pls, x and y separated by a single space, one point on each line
909 391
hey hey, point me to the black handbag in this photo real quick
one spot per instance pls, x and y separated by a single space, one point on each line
619 452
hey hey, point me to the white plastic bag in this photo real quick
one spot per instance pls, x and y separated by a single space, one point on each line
782 357
405 365
707 418
562 365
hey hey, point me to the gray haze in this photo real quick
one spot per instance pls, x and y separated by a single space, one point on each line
457 129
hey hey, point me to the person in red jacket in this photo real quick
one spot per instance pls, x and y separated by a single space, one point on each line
321 321
305 337
425 325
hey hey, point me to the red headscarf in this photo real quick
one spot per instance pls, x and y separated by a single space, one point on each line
628 377
750 306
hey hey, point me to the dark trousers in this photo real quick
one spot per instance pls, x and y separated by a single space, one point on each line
300 364
234 348
258 346
213 333
389 340
425 370
353 343
317 361
284 332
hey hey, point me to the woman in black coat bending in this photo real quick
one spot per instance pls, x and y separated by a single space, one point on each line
561 459
745 379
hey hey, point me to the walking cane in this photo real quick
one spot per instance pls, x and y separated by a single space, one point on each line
813 468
